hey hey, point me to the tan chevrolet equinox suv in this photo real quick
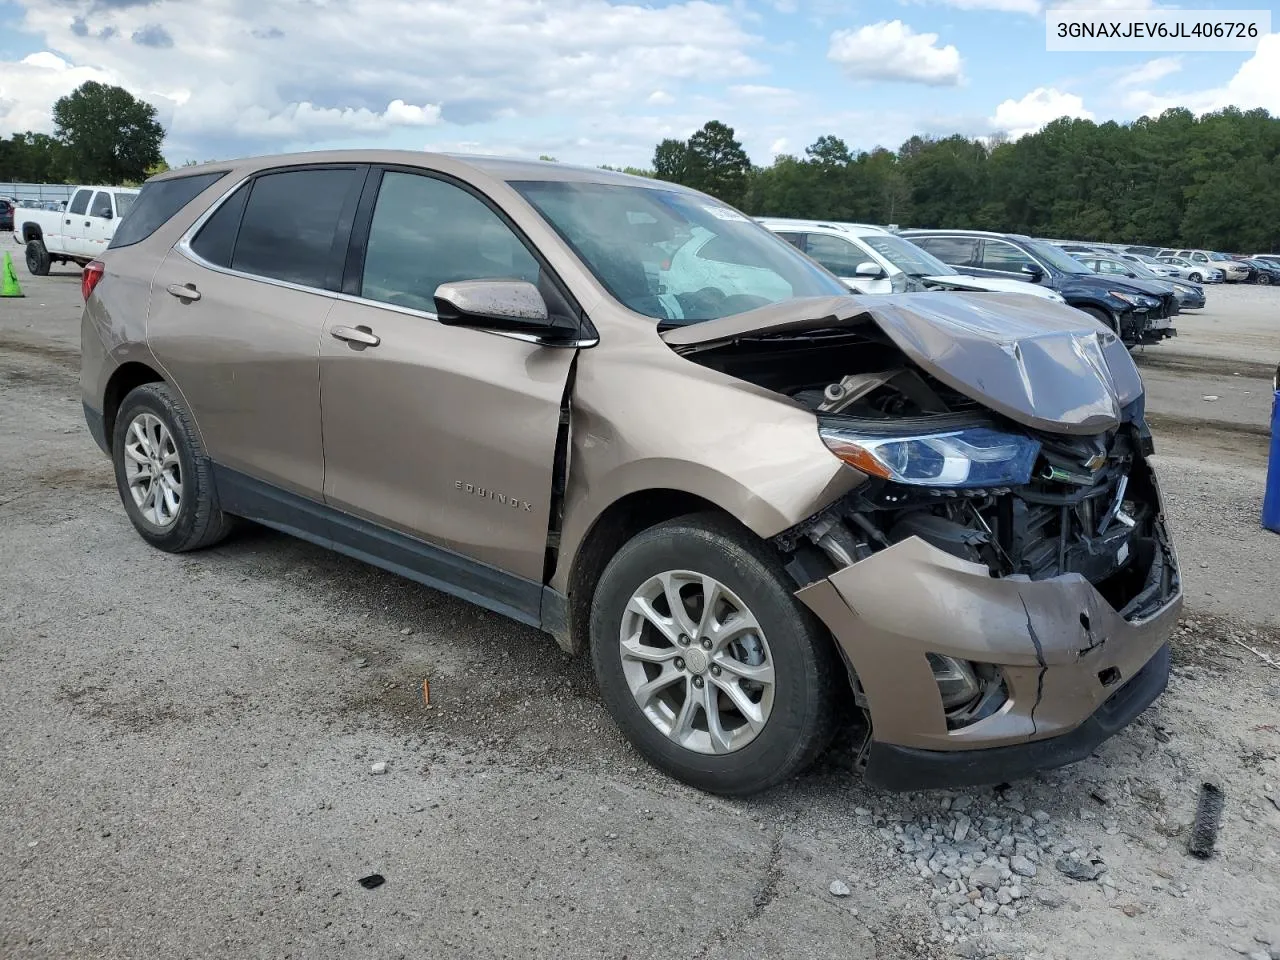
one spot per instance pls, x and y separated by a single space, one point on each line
620 411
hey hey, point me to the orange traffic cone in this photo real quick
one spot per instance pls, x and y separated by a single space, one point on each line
9 285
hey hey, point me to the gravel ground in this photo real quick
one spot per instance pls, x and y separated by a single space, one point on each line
191 745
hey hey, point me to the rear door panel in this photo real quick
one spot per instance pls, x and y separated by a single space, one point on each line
266 263
72 225
245 356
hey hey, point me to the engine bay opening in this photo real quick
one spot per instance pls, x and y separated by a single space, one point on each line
1081 504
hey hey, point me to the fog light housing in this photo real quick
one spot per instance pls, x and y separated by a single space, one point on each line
956 680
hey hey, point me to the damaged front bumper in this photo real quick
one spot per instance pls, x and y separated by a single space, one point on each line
1074 671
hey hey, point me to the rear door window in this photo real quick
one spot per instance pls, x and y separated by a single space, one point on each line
216 240
80 202
101 206
957 251
156 203
289 230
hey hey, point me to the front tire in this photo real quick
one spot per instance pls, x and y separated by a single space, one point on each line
1104 318
731 696
164 478
38 259
1195 278
1264 279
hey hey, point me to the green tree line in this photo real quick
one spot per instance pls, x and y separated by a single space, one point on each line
103 134
1174 180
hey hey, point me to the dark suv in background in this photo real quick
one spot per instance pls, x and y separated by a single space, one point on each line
1138 310
6 214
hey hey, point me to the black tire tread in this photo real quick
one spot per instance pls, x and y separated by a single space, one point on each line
209 524
827 677
42 258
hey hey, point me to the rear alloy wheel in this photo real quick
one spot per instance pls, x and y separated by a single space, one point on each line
38 260
164 478
707 662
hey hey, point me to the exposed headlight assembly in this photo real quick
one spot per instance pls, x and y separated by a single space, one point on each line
962 458
1128 298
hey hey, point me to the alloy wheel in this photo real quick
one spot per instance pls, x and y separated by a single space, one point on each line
697 662
153 469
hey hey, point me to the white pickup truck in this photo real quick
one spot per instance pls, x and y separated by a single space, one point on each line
75 234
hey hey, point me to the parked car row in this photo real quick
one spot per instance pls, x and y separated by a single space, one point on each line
1197 266
875 260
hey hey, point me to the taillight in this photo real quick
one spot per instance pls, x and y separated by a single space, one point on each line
89 279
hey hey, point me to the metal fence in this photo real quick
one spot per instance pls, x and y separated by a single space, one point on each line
41 193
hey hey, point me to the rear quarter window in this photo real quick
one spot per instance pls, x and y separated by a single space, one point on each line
157 203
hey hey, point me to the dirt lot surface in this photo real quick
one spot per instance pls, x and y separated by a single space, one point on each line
189 740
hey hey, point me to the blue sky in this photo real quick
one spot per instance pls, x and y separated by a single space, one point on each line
591 81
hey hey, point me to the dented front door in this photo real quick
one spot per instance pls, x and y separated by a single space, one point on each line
442 432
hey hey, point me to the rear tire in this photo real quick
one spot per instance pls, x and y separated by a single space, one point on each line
785 721
38 259
164 478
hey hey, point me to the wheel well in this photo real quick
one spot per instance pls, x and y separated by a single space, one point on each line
31 231
620 521
126 377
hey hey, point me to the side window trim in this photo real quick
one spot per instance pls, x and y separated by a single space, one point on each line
363 221
341 238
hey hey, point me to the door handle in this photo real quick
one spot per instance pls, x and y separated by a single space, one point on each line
88 223
356 336
68 223
185 292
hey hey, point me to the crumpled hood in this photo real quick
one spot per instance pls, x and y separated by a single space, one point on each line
1045 365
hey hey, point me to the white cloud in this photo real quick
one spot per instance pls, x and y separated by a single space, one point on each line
891 50
1042 105
1255 84
1150 72
778 146
245 76
29 87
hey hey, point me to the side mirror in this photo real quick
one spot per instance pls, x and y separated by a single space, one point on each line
504 304
1033 271
108 215
508 306
872 271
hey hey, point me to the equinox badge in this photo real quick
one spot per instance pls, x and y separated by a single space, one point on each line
515 503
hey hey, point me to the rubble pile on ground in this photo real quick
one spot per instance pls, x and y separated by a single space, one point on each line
985 858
